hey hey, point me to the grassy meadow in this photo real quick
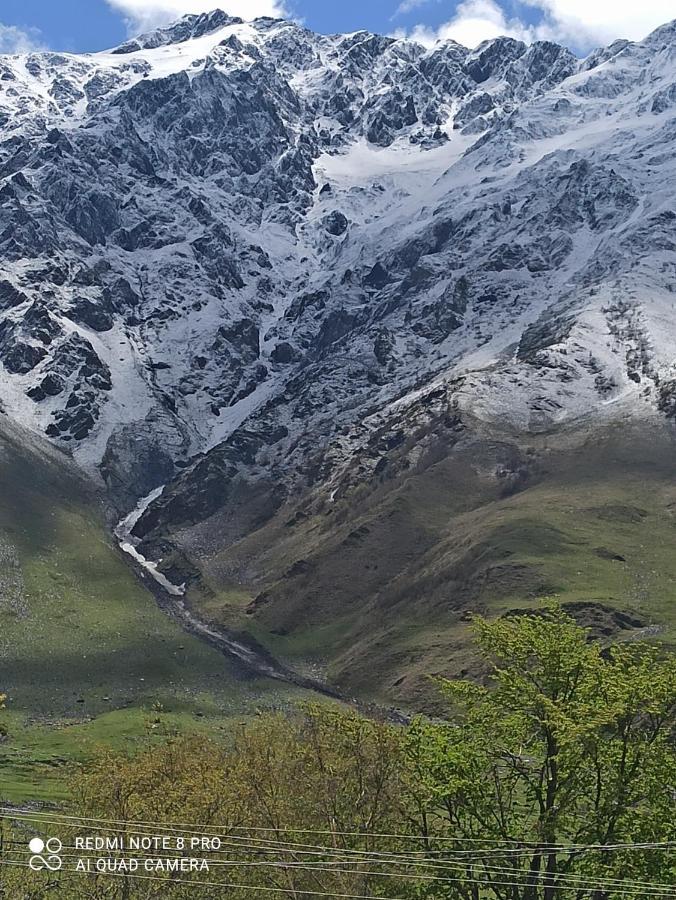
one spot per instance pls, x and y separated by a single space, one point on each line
87 658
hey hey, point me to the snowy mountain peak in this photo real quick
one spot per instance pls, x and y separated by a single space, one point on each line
665 34
186 29
249 241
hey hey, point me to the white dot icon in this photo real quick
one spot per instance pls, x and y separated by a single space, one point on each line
37 845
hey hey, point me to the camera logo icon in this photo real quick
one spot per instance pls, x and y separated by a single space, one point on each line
46 854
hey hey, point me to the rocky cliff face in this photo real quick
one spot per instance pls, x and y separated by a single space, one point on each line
236 257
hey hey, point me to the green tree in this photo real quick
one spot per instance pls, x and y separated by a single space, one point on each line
538 785
568 746
297 800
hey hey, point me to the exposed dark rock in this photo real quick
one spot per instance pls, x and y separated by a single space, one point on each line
76 356
604 553
93 315
388 114
120 296
10 296
136 462
20 358
630 515
190 26
315 301
335 223
335 326
244 336
479 105
492 58
439 319
377 278
667 398
543 334
285 353
50 386
93 216
507 256
250 384
383 346
548 64
39 323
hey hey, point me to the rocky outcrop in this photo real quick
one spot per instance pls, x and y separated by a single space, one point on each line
228 249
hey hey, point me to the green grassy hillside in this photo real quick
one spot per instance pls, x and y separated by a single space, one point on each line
376 588
86 656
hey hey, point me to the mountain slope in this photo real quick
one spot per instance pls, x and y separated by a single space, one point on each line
86 656
289 278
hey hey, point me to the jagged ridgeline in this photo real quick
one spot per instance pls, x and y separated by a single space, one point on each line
393 326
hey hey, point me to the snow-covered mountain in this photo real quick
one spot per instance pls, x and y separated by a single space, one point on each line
245 253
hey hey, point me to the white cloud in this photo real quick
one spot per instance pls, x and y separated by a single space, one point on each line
583 24
145 14
474 21
407 6
600 21
14 40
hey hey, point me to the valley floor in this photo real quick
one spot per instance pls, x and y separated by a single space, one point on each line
87 658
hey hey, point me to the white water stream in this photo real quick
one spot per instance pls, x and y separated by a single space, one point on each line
129 544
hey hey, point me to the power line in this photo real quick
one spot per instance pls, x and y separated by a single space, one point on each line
344 857
333 894
584 882
358 857
269 847
225 884
179 828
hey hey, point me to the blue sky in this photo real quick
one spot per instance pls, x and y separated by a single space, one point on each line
80 25
88 25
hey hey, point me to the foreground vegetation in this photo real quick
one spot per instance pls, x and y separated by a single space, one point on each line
556 779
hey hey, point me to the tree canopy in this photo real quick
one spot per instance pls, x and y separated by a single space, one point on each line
556 778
